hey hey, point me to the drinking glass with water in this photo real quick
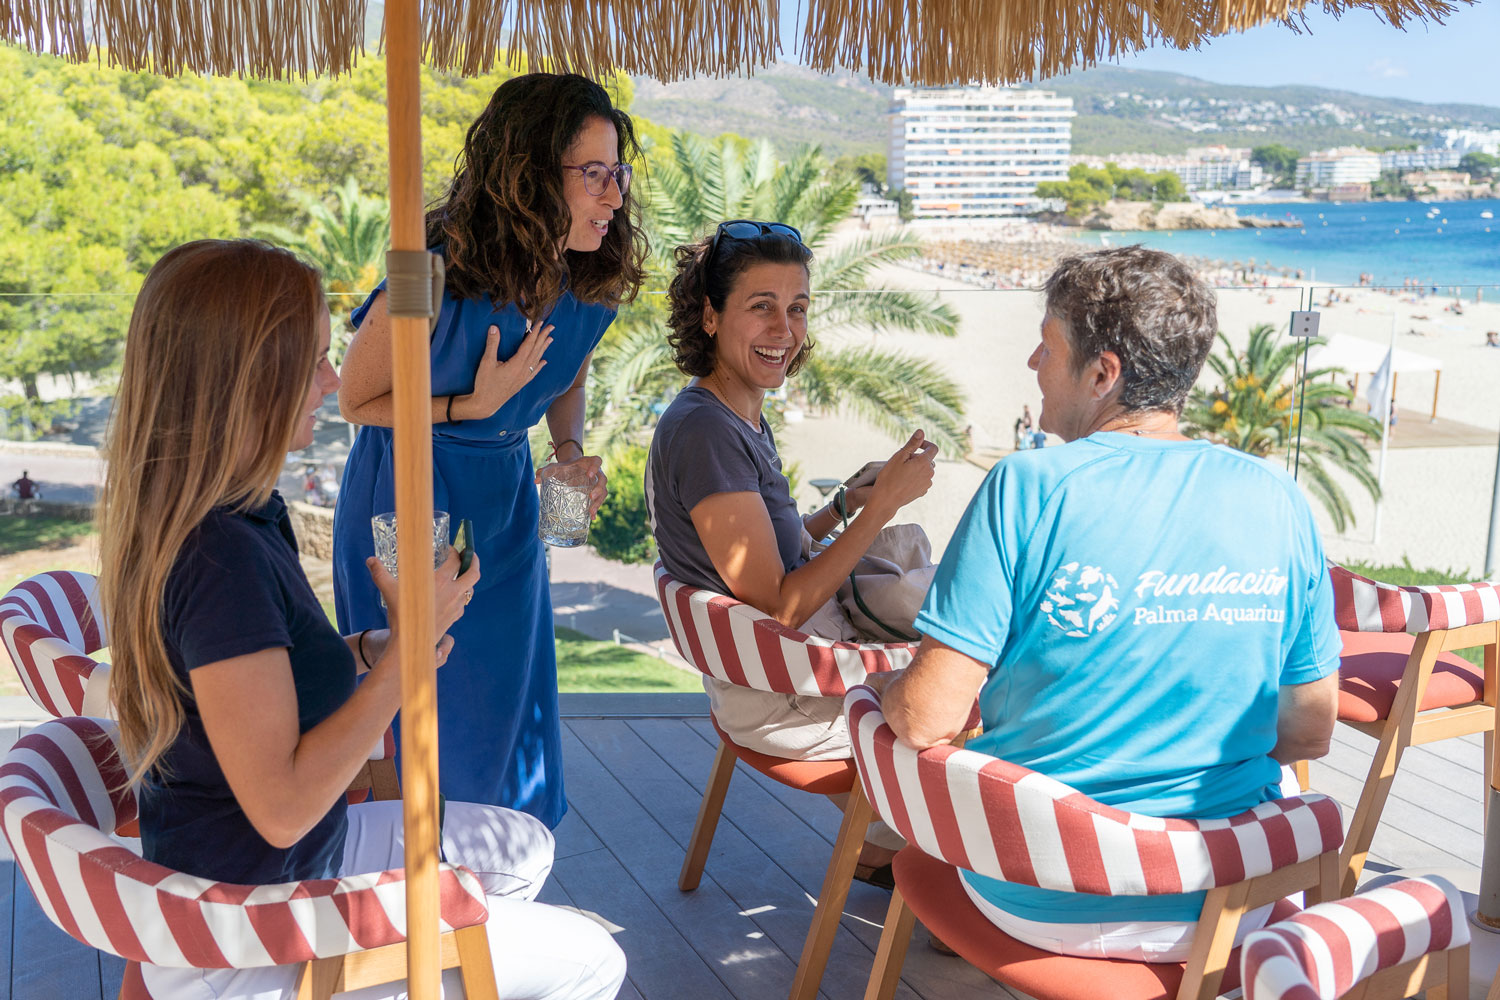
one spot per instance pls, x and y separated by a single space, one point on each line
564 519
384 527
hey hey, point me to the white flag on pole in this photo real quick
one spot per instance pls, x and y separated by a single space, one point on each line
1379 393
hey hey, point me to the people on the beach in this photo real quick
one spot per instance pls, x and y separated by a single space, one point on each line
1492 338
1087 586
540 241
237 700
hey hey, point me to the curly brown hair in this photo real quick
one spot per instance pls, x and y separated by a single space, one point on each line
505 217
696 280
1146 306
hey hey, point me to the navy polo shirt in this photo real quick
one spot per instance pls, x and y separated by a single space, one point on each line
238 588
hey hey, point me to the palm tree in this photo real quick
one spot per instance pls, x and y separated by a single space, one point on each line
1256 409
348 245
697 183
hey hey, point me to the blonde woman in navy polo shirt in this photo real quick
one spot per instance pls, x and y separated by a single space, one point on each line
237 699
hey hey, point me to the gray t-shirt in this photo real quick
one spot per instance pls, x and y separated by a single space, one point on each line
702 448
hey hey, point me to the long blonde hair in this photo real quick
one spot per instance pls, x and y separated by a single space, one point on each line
218 361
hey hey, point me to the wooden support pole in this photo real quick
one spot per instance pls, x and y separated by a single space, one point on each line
1437 380
411 390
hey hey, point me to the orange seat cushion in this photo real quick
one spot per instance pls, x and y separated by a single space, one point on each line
1370 672
931 888
822 777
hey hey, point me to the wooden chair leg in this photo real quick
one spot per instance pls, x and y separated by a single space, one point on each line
825 922
890 955
708 818
321 978
1372 796
475 964
385 782
1213 941
1304 781
1329 871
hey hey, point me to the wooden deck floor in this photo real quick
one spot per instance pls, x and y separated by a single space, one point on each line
634 786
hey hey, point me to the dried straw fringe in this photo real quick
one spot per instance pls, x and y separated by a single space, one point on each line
924 42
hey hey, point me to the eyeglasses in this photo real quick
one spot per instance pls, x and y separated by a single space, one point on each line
749 229
596 176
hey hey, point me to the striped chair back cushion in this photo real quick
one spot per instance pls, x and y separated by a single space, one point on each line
51 624
63 783
1005 821
1364 605
730 640
1324 951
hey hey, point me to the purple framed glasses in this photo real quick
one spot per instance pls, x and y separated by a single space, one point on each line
596 176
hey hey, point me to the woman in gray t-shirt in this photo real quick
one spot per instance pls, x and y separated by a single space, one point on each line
720 506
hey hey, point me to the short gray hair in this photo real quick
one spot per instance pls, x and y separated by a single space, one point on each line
1149 308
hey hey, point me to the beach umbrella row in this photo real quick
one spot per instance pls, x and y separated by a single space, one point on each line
922 42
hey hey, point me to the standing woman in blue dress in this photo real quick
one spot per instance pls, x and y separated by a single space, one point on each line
541 245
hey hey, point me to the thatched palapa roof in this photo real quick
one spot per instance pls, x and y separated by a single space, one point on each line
893 41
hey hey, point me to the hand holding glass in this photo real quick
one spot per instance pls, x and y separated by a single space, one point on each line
564 521
384 527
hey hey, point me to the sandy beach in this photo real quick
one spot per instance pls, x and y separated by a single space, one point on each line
1437 499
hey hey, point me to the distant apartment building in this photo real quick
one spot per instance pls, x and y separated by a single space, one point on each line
1470 140
1206 168
977 152
1420 159
1338 167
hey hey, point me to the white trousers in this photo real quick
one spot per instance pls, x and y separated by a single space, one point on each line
540 952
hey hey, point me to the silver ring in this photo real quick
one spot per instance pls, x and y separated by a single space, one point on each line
468 596
531 368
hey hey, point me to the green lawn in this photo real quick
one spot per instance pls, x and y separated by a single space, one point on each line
20 533
585 664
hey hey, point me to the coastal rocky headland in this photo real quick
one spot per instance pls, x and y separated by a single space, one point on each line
1138 215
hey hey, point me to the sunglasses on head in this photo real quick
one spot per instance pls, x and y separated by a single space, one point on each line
749 229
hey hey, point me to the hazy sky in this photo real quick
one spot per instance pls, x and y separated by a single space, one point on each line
1454 61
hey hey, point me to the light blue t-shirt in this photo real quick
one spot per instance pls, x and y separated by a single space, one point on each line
1140 602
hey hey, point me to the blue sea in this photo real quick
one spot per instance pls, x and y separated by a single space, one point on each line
1393 241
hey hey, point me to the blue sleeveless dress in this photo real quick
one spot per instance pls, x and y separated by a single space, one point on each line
499 739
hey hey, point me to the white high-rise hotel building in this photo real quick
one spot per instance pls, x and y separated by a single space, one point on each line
977 152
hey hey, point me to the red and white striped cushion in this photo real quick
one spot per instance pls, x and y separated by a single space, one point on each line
1364 605
1005 821
63 783
1322 952
734 642
51 623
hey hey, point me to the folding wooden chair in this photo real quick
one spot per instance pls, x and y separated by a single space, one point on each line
63 786
729 640
52 625
1408 691
1382 944
962 809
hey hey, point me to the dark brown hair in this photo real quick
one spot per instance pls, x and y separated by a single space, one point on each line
1146 306
505 215
698 278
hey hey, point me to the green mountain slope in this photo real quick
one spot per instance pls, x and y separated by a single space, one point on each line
1119 110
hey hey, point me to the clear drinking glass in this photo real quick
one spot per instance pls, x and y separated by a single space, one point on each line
564 519
384 527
